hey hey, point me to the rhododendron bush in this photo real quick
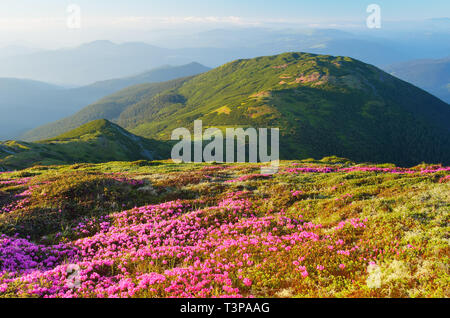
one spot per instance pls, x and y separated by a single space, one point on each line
315 229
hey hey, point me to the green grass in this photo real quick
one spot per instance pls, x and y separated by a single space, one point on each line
402 210
97 141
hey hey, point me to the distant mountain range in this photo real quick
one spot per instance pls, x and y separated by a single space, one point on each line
95 142
102 60
26 104
430 75
324 106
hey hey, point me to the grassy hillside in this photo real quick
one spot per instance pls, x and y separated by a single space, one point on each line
97 141
324 106
326 228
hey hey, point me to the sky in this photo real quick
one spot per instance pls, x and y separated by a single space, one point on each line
44 22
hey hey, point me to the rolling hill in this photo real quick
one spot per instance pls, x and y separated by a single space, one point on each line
43 103
324 106
430 75
95 142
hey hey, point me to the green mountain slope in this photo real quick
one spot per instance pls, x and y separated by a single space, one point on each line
95 142
324 106
43 103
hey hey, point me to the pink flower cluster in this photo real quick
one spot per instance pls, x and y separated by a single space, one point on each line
129 181
395 170
16 181
214 168
19 204
444 179
19 256
14 206
309 170
296 193
171 250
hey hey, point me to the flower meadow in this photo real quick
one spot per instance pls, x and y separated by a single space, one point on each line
327 228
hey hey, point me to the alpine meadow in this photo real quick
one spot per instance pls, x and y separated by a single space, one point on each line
349 196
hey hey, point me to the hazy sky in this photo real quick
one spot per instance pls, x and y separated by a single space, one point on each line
44 22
